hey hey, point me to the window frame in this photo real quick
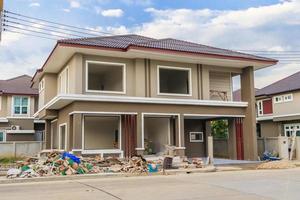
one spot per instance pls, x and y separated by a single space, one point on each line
260 108
59 136
280 101
194 140
124 86
13 106
4 135
287 95
174 68
283 98
65 72
41 85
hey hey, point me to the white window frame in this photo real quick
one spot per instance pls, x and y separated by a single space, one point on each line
260 108
59 136
287 127
41 85
288 95
173 68
66 83
102 151
4 135
279 101
0 102
124 86
13 107
194 133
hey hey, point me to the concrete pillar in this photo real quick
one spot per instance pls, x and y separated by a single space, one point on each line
231 139
139 134
77 136
48 134
283 144
298 148
180 135
205 87
210 149
249 122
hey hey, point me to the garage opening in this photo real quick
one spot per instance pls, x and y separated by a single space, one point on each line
174 80
101 132
158 132
106 77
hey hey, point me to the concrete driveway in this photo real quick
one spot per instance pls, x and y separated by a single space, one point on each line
268 184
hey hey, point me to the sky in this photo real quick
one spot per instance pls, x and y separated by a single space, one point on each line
269 25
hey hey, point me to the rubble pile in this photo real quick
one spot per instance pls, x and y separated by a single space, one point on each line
56 163
195 163
284 164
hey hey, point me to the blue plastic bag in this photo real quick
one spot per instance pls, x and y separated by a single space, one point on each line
71 156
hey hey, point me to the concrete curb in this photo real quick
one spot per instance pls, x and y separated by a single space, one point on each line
4 180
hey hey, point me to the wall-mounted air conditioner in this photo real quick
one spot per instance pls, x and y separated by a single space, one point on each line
15 127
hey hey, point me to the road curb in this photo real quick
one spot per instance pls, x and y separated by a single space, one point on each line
104 175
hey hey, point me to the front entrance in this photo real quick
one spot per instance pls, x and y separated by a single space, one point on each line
63 136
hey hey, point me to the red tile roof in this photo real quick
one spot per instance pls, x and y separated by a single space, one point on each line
124 42
17 86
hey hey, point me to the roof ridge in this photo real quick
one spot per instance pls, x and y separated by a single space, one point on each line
281 80
17 77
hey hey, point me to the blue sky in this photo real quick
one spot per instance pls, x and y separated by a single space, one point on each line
235 24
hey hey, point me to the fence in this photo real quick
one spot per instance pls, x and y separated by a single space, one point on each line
20 148
221 148
269 144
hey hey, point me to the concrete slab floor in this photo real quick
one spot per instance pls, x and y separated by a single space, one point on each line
255 184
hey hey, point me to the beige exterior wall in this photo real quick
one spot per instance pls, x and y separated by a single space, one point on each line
286 108
220 81
270 128
141 78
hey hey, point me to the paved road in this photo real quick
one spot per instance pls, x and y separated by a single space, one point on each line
276 184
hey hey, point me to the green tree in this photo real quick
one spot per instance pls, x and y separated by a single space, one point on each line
219 129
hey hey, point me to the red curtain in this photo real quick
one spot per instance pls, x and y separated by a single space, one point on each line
239 138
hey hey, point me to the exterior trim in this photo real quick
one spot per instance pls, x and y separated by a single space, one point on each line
21 131
81 97
173 68
212 115
105 91
59 136
104 113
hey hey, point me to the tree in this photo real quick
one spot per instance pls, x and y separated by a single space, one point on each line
219 129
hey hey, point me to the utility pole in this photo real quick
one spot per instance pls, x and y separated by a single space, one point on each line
1 16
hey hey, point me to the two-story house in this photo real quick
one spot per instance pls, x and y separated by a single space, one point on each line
129 94
18 103
278 110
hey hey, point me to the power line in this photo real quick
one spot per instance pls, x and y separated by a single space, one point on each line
28 34
40 28
56 23
47 25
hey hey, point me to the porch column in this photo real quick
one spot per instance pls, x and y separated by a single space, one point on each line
231 139
77 137
139 134
249 122
180 135
48 134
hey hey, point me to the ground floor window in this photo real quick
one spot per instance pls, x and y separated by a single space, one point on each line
63 136
292 130
2 136
102 132
196 136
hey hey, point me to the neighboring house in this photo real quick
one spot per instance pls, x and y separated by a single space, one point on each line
18 103
129 94
278 110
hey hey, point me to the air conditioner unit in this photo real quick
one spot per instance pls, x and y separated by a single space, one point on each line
15 127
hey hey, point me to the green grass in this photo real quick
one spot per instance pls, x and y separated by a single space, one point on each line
9 159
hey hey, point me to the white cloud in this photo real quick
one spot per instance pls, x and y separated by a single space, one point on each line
112 13
74 4
66 10
34 4
138 2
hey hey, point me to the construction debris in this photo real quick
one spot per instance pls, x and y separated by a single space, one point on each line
56 163
283 164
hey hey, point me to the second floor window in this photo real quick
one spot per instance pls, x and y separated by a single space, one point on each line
174 80
20 105
63 84
105 77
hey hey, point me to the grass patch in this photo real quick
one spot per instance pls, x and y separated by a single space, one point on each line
9 159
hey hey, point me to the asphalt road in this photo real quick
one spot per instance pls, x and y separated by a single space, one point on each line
271 184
